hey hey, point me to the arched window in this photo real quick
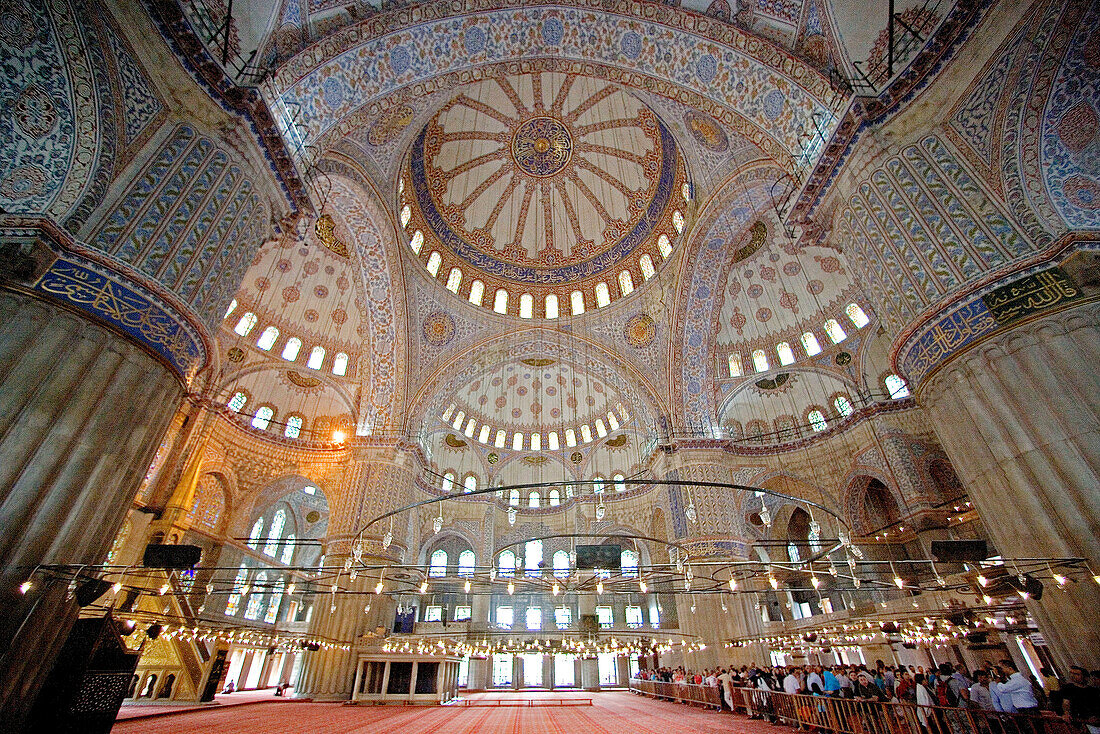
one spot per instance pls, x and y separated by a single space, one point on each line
809 343
836 334
257 531
438 567
417 241
645 263
678 221
555 498
454 280
536 442
448 484
586 433
532 557
626 283
316 358
612 421
271 547
293 426
460 418
477 292
603 295
502 436
466 563
685 191
406 215
896 387
534 501
237 401
664 245
500 302
288 549
786 354
601 429
855 313
275 602
256 598
576 303
483 436
760 360
263 416
340 364
234 601
246 324
526 306
620 483
551 306
817 420
267 338
434 261
293 346
628 564
506 564
552 440
470 425
597 484
517 442
843 405
561 564
513 498
448 412
570 437
469 484
735 365
231 309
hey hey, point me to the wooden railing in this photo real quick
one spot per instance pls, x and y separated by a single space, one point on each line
851 716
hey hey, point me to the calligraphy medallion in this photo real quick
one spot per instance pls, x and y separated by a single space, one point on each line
541 146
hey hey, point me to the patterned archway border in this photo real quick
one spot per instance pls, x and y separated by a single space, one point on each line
774 96
718 232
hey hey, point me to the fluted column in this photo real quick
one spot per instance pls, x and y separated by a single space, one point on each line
81 413
1019 415
378 479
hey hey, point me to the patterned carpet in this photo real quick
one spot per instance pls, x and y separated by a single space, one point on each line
611 713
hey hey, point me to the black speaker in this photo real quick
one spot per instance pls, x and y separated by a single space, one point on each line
950 551
158 555
88 590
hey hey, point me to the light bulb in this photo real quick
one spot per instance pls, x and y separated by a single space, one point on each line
1096 577
599 587
733 584
438 523
511 587
642 586
163 589
557 589
815 582
600 511
366 609
423 587
466 586
512 516
773 581
1062 580
693 606
689 512
116 587
378 587
899 582
387 539
983 580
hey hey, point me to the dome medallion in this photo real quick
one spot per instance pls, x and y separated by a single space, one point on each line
543 183
541 146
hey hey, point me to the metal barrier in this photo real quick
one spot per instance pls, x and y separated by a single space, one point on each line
851 716
680 692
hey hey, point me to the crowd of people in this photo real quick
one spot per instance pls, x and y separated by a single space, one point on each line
993 687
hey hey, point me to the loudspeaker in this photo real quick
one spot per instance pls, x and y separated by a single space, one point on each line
158 555
959 550
88 590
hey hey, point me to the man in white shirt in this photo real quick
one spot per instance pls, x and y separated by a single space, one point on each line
814 683
790 682
725 680
1017 689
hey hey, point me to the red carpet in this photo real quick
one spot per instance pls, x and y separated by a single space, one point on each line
611 713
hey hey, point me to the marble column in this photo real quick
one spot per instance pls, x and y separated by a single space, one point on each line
1019 416
82 410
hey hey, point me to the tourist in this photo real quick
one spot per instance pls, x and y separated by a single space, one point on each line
1018 689
980 697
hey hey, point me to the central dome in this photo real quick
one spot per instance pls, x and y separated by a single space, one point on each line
543 183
